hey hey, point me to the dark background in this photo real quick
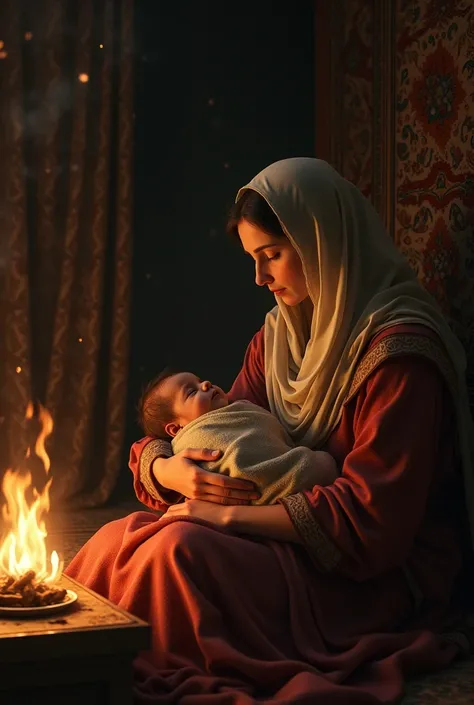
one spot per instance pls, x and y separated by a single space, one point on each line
222 90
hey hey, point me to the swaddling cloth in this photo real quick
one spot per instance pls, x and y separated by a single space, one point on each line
255 447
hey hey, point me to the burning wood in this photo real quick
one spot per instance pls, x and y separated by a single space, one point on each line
27 592
27 574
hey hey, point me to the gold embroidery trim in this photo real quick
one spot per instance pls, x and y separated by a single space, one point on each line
318 545
151 451
403 344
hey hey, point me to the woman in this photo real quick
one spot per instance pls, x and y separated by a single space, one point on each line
337 594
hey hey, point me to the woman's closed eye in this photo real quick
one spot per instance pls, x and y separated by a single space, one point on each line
275 256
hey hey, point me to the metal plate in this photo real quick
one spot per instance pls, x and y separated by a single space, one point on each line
41 611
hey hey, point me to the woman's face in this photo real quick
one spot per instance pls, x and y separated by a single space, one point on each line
277 263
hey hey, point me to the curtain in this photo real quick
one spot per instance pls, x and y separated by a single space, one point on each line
66 118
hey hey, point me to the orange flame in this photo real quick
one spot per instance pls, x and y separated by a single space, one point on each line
24 547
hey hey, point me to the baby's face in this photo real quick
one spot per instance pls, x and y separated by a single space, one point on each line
192 398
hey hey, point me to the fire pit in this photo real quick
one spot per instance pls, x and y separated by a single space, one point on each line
26 596
81 657
85 653
28 577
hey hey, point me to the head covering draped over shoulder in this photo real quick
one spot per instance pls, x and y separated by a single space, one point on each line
358 284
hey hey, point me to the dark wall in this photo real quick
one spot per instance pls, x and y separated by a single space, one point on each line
222 90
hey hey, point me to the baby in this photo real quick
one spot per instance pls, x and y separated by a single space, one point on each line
255 445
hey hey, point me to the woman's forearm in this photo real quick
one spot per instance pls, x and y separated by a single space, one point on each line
271 521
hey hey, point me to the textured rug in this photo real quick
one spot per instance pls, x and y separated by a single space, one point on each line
68 532
455 686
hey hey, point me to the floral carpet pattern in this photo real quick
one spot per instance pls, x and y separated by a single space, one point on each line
434 160
402 93
427 169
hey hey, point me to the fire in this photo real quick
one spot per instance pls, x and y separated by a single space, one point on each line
24 548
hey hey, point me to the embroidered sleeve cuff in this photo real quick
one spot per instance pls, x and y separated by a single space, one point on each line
320 548
156 449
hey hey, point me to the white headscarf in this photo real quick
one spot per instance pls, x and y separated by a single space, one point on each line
358 284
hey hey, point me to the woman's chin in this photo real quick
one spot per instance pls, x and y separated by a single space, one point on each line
291 299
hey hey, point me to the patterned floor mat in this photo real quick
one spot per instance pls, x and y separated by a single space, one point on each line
455 686
68 532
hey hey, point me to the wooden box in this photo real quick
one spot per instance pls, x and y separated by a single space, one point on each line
82 656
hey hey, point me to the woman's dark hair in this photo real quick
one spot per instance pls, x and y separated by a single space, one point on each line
155 410
253 208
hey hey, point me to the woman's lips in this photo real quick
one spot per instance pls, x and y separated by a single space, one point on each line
278 292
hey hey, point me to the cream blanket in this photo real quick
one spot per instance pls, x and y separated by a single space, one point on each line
255 447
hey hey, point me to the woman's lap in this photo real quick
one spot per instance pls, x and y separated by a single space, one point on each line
229 612
158 571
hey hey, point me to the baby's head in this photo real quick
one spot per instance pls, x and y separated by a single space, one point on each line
173 399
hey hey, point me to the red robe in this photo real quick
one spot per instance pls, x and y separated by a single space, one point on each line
341 619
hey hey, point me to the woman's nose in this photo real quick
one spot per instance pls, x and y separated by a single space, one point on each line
261 276
206 385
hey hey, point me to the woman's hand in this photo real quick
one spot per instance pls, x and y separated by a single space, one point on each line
198 509
181 474
271 521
